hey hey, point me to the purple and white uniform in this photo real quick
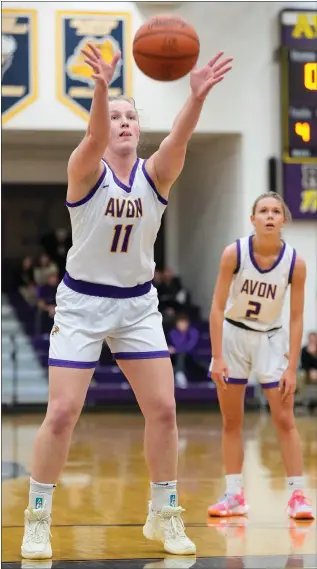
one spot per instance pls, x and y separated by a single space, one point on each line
107 290
253 337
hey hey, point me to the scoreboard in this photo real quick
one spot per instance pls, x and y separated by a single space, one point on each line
299 111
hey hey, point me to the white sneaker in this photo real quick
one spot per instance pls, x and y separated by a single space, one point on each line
36 542
167 526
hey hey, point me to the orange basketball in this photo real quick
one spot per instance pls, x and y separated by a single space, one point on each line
166 48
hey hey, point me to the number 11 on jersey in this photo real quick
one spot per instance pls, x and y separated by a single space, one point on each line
116 237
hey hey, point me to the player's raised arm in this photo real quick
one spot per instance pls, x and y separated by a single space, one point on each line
167 163
84 166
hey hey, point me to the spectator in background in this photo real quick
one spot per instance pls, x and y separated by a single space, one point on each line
46 294
57 245
44 268
309 359
182 341
26 281
172 293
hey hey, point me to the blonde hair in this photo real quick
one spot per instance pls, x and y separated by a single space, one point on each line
277 197
122 98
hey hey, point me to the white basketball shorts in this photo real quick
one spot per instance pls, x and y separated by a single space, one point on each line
132 328
265 354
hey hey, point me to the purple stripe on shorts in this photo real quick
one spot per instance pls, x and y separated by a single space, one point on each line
68 363
237 380
238 257
150 181
291 270
269 385
106 291
141 355
92 191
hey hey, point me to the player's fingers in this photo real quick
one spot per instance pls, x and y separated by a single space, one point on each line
116 58
221 72
212 62
89 55
226 372
95 50
93 65
226 62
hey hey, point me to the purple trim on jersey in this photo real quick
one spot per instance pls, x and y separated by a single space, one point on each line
291 270
68 363
106 291
238 257
92 191
141 355
131 178
256 266
150 181
269 385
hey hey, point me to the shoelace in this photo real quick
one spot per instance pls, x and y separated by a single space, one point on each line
299 498
36 531
174 524
228 500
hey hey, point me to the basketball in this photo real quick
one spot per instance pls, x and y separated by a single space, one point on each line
166 48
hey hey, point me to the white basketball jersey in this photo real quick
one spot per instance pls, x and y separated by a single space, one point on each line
114 229
256 296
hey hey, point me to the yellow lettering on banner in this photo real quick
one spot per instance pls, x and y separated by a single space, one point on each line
13 90
304 28
309 201
10 26
95 27
81 92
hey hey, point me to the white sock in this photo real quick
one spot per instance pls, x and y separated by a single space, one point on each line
164 494
234 483
41 495
295 483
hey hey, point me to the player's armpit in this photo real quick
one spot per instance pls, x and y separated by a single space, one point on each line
84 168
165 165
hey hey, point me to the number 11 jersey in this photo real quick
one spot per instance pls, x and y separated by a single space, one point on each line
114 229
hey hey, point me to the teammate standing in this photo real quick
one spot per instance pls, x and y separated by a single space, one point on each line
247 335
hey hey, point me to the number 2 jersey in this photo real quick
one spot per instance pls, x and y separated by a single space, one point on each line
256 296
114 229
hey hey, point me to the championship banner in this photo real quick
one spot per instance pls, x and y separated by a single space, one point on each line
300 190
18 61
109 32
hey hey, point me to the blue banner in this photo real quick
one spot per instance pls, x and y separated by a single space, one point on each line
109 32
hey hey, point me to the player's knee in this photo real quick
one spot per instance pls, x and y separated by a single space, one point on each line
284 421
232 423
165 413
62 415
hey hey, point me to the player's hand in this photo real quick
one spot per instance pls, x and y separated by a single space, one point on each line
202 80
287 383
102 71
219 373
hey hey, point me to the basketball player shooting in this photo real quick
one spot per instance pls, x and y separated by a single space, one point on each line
116 201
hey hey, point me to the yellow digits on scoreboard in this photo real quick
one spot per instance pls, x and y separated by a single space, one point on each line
310 76
303 130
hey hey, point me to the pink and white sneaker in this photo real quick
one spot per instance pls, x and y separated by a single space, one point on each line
299 507
229 505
